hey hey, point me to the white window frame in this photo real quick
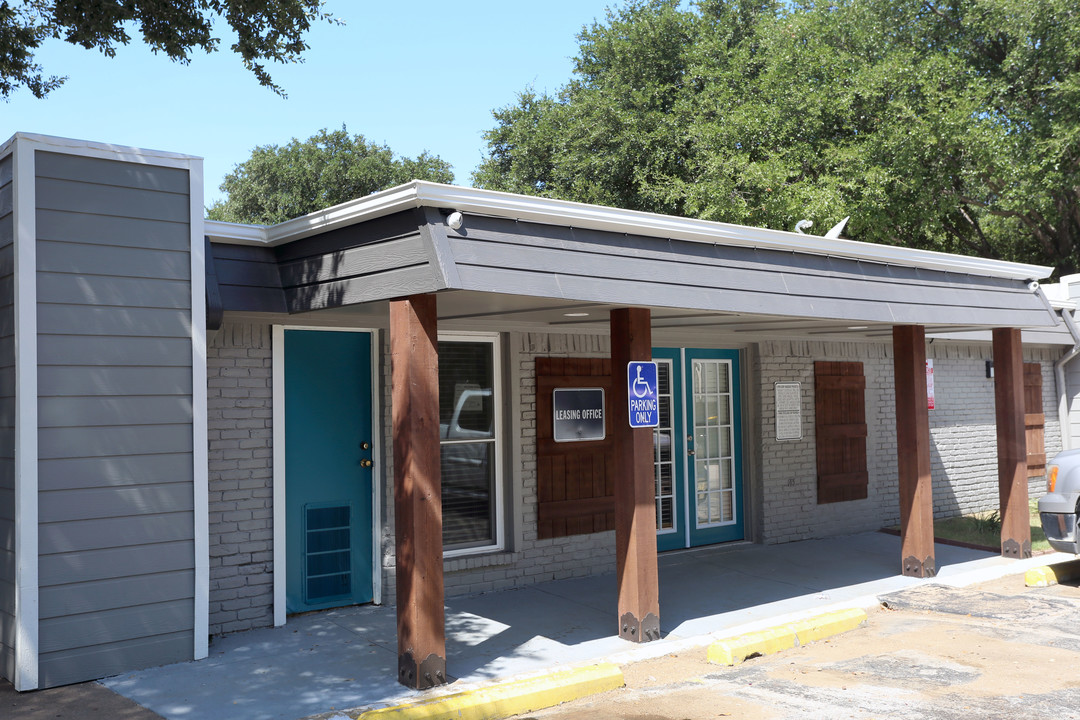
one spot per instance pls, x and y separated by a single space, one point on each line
498 494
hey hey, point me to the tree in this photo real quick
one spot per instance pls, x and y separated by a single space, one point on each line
265 30
943 124
278 183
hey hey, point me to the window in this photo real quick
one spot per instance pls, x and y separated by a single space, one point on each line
469 444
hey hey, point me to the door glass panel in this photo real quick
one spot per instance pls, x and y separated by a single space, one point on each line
663 437
714 463
723 414
714 448
712 410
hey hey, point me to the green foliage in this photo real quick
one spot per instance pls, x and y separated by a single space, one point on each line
265 30
984 529
281 182
944 124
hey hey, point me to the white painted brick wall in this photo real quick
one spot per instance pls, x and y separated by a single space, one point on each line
962 429
241 490
240 405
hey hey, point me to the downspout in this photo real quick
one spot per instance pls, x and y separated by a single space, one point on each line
1059 379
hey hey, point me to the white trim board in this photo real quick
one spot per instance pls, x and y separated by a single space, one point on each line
122 153
26 417
199 417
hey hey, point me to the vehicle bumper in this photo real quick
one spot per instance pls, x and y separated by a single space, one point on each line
1060 530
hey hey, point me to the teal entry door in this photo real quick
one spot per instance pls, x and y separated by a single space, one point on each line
698 448
328 469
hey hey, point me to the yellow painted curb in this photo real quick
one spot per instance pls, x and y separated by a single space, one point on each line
511 698
1048 575
829 624
765 642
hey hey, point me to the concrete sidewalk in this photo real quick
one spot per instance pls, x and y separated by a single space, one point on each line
347 658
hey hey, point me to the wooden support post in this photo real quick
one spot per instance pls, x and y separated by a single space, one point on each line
635 486
421 621
1011 443
913 452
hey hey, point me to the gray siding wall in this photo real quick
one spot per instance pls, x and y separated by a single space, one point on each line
115 417
1072 394
384 258
7 424
497 255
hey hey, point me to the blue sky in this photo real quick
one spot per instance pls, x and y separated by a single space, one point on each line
422 75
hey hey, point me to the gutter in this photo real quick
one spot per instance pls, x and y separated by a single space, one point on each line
1059 380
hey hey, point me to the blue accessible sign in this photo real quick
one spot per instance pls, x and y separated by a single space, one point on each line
642 391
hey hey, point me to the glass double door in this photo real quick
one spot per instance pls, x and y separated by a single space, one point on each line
698 453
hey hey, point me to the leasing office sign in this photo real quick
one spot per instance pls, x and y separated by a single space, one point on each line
578 414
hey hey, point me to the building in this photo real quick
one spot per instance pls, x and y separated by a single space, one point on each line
209 426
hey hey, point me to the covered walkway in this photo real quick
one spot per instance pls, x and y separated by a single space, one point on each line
347 658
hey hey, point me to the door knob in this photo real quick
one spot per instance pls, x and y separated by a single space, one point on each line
366 463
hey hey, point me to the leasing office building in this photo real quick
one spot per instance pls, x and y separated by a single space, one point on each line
209 426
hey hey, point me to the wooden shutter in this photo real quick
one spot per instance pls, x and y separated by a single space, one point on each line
840 426
575 484
1034 419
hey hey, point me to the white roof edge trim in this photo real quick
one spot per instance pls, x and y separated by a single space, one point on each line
234 233
419 193
69 145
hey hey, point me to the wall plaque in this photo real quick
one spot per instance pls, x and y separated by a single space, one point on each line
578 414
788 411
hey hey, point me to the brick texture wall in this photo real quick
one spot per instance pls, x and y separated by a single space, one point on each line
241 485
529 560
962 429
783 477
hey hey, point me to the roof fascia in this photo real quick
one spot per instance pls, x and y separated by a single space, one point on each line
124 153
548 211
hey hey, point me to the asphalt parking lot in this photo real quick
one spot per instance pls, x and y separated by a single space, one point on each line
997 650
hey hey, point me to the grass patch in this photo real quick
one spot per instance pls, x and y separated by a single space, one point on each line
984 529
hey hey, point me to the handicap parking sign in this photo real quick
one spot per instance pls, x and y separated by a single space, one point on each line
642 392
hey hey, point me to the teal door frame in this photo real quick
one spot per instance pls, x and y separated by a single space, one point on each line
284 556
685 532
